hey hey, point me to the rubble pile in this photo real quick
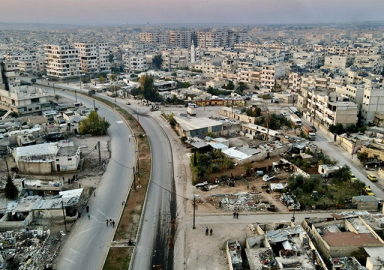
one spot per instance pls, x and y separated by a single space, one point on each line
29 249
243 201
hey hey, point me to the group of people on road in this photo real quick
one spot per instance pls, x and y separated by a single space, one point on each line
111 222
72 180
236 215
208 231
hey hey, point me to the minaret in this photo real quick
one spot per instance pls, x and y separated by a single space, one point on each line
193 56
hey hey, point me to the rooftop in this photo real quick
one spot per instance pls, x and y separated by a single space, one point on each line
192 123
340 239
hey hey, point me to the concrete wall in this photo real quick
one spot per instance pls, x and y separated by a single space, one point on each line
35 167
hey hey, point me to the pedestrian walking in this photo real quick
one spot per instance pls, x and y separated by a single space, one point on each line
94 194
210 231
87 208
237 215
110 221
107 222
123 203
206 230
113 224
89 216
234 214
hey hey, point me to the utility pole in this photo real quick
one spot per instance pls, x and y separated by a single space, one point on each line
98 145
54 89
75 95
134 178
194 209
94 107
65 222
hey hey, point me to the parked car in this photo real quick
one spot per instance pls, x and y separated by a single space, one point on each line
128 103
352 177
368 191
372 177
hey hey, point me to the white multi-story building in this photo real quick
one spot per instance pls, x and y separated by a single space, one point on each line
93 56
62 61
270 73
373 101
321 106
135 62
10 71
336 61
30 64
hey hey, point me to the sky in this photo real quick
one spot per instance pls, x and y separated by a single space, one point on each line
152 12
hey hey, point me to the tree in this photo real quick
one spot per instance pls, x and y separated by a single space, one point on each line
94 125
10 190
338 129
343 173
256 87
148 88
230 85
57 97
113 77
102 79
157 61
241 87
110 57
33 80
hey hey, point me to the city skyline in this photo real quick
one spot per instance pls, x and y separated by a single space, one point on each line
197 12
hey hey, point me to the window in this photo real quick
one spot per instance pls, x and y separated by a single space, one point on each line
69 159
57 159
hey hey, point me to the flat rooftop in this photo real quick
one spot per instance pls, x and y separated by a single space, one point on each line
340 239
193 123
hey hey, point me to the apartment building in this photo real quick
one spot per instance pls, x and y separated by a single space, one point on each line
220 38
321 105
173 38
62 61
373 101
135 62
336 61
30 64
270 73
209 65
352 92
10 72
294 81
305 60
94 56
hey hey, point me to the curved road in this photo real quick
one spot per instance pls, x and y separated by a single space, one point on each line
152 243
152 246
88 241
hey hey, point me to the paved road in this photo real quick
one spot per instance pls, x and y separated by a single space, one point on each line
344 158
252 218
155 231
89 239
152 245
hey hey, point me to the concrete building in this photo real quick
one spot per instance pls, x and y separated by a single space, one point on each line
25 100
286 248
62 61
135 63
192 126
269 75
336 61
328 112
373 101
339 238
94 56
46 158
9 72
30 64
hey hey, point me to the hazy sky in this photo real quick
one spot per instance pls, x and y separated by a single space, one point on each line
189 11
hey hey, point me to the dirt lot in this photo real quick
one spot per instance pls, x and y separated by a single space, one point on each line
253 186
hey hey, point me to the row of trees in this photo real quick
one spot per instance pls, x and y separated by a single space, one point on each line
339 129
